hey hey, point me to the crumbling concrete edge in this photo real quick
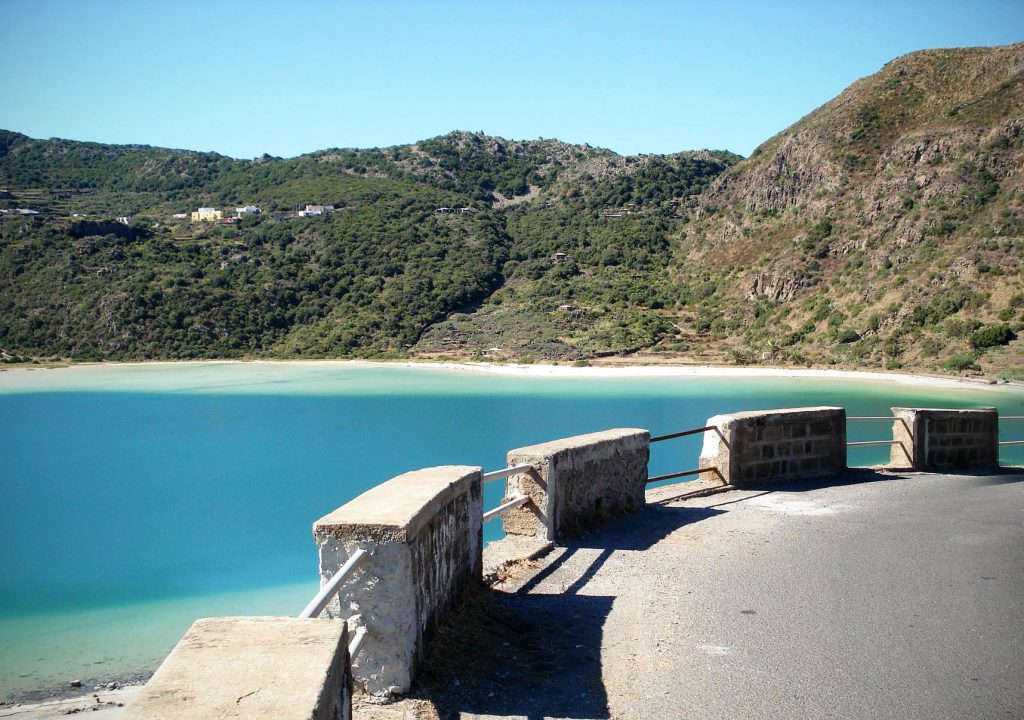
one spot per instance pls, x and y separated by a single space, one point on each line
503 556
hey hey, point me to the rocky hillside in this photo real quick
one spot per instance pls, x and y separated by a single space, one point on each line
417 233
883 230
591 263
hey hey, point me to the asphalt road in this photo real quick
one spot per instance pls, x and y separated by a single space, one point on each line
898 596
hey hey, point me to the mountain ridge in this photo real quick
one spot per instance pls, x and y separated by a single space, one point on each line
896 168
881 230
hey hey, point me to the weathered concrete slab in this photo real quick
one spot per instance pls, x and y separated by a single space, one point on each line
251 667
424 530
776 445
399 509
577 482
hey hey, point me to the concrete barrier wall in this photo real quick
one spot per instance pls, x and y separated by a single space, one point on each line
424 530
775 445
577 482
934 439
251 667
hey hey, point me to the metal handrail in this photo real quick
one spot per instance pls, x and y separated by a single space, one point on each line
501 475
328 591
505 472
515 502
684 433
685 473
357 643
1011 442
871 418
670 476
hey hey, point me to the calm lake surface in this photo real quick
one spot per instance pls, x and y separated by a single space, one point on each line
138 498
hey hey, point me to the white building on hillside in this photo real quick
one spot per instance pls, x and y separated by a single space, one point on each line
207 214
312 210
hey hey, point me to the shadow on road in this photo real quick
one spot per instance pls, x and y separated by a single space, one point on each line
536 655
641 530
1005 476
530 656
859 476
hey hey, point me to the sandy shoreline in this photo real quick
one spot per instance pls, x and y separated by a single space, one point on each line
98 704
664 371
598 370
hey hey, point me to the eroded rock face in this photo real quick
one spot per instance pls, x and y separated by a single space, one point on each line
801 167
777 286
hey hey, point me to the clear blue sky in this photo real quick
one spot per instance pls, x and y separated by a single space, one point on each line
244 78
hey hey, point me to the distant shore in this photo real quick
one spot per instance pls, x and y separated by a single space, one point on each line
609 370
605 368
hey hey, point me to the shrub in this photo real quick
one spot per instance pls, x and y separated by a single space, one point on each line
738 357
835 319
931 345
959 363
957 328
991 335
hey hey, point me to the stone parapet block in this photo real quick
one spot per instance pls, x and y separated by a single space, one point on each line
928 439
577 482
424 533
251 667
775 445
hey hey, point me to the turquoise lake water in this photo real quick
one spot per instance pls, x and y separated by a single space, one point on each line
138 498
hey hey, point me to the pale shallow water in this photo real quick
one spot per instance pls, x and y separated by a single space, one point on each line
138 498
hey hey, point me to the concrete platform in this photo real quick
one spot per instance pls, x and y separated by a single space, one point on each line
251 667
869 596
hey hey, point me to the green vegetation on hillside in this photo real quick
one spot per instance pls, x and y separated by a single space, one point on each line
366 280
883 230
360 282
